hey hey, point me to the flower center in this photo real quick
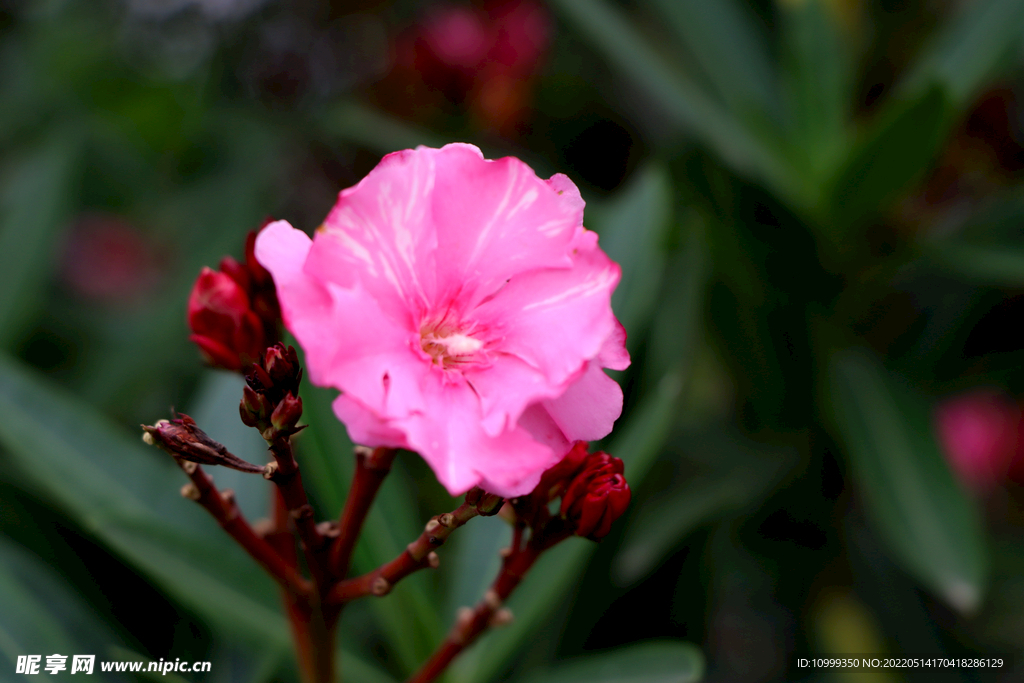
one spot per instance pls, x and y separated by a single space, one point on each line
448 345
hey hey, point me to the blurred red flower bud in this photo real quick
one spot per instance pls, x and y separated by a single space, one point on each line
234 314
978 432
597 496
109 261
227 331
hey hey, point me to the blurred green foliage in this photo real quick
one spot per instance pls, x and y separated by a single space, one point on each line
818 220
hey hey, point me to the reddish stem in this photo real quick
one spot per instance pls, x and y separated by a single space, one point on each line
470 623
288 478
222 505
371 469
417 555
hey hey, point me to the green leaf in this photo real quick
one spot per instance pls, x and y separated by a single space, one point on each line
634 231
651 662
928 522
675 330
896 150
742 473
42 615
818 89
362 125
970 48
990 264
34 209
730 50
614 35
151 348
127 496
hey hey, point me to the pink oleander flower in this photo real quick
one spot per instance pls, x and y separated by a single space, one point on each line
978 432
463 311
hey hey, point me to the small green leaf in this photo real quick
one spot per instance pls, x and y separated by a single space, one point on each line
818 89
34 209
928 522
742 473
969 49
375 130
896 150
614 35
634 231
651 662
730 49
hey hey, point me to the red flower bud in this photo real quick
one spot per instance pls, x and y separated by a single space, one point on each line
234 314
237 272
224 327
282 366
183 439
597 496
487 504
555 480
286 415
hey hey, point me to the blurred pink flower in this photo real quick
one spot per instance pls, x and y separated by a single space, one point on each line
110 261
978 432
457 36
464 312
485 58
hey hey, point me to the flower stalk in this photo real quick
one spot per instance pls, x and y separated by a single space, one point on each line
222 506
417 555
372 466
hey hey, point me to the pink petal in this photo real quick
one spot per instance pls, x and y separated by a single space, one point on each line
556 320
506 388
349 343
538 422
364 426
382 232
589 407
614 355
495 219
450 437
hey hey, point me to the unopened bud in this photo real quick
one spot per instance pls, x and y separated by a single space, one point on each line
183 439
190 491
433 560
226 330
487 504
286 415
254 408
596 497
282 365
